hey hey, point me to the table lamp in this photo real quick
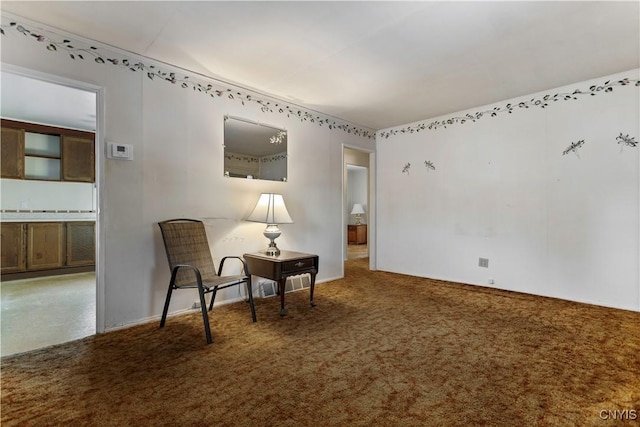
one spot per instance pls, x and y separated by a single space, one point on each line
358 211
272 211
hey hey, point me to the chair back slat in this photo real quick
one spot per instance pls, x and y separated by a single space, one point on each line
185 241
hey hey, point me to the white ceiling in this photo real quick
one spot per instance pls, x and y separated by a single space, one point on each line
37 101
374 64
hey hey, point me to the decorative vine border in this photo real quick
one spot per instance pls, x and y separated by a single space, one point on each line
242 158
273 158
206 88
542 102
253 159
153 72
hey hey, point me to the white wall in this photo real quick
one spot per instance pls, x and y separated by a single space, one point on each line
19 194
274 167
177 171
550 224
357 179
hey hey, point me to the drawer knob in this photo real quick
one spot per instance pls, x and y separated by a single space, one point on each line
299 264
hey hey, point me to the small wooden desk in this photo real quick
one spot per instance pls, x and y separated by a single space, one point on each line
278 268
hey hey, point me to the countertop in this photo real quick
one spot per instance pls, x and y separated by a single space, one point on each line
46 215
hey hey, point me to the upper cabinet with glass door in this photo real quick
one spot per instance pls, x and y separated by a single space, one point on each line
254 150
41 156
32 151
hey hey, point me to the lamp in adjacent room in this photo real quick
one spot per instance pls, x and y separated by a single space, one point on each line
272 211
358 211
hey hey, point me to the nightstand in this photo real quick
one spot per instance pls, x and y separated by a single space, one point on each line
357 234
280 267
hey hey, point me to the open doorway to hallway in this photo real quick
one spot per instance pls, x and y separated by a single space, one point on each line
356 203
48 211
358 206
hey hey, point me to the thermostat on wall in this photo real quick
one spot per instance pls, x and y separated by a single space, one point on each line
120 151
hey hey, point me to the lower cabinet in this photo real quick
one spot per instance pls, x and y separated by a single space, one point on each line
13 247
81 243
46 246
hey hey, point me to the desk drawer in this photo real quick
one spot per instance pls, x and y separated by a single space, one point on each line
299 264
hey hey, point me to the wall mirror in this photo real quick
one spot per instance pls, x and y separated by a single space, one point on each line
254 150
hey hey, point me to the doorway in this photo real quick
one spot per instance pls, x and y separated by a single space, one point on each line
50 309
358 205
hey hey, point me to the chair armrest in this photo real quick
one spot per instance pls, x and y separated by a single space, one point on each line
244 264
177 267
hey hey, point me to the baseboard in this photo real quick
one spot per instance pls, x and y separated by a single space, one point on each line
157 318
34 274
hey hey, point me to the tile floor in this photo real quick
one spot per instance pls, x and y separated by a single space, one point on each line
40 312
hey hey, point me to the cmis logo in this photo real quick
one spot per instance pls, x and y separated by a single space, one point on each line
625 414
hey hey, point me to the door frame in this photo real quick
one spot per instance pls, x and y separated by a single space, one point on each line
371 215
99 171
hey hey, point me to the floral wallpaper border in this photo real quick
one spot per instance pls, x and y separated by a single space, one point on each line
242 158
79 51
541 102
252 159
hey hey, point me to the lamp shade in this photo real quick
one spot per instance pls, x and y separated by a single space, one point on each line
270 209
357 209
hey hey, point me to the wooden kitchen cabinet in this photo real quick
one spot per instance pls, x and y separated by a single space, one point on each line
41 156
357 234
78 162
50 153
81 243
12 154
45 245
33 249
12 250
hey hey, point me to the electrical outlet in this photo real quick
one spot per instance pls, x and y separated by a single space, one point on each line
491 282
196 305
483 262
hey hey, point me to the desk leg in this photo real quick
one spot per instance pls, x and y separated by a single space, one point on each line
311 288
281 286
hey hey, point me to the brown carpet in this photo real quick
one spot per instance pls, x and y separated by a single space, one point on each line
380 349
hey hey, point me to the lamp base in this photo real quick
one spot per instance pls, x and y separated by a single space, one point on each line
272 250
272 232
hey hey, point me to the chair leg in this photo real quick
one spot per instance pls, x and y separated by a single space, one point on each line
205 315
250 293
213 298
166 305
